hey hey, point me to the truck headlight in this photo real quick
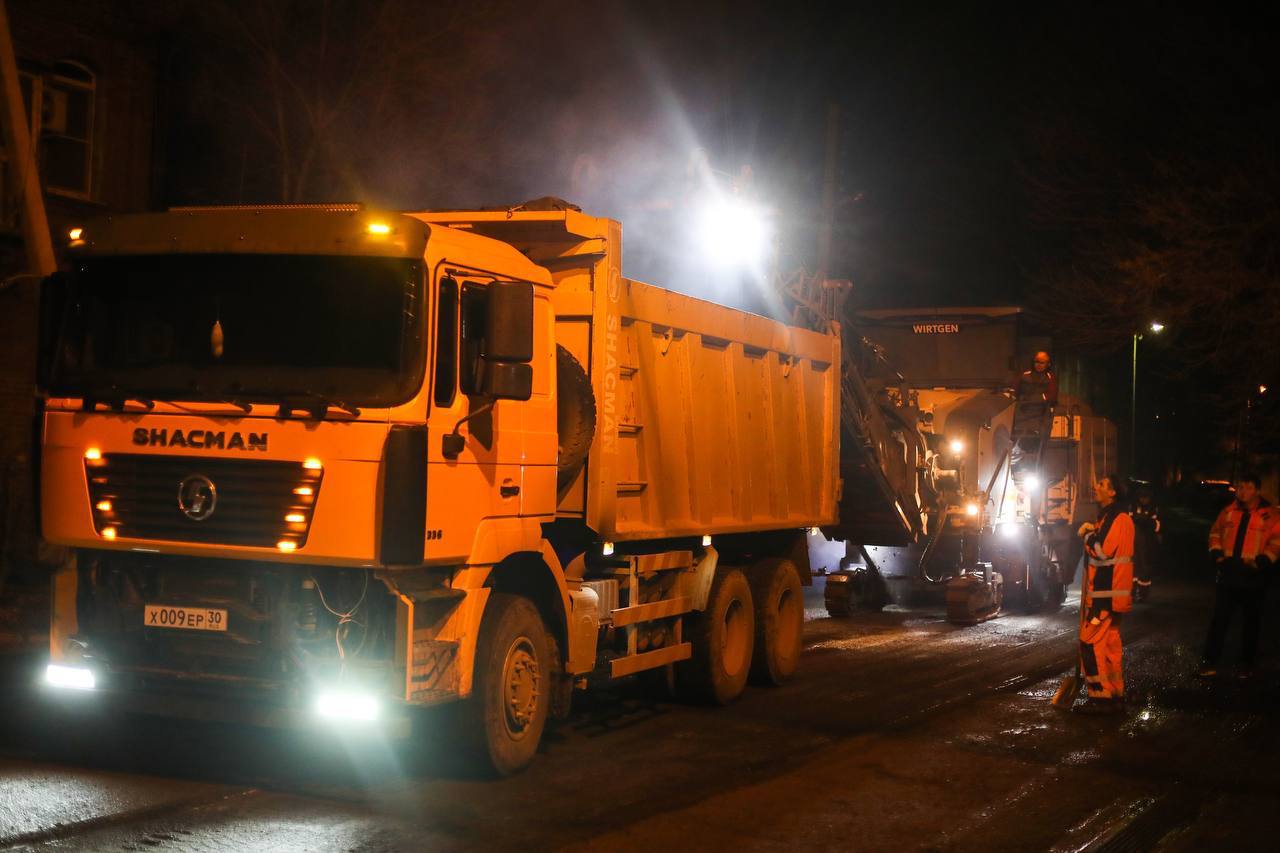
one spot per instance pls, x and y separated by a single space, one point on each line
348 705
69 677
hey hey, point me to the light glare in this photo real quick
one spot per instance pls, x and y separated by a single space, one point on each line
108 533
312 464
70 677
287 545
92 454
957 446
733 233
295 518
1031 482
347 705
971 509
1156 326
379 228
75 233
1009 530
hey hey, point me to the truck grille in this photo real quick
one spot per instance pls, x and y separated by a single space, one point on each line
196 499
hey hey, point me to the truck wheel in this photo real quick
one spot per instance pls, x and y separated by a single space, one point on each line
511 697
722 636
779 612
575 416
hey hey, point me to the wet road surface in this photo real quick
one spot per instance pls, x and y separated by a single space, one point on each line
901 732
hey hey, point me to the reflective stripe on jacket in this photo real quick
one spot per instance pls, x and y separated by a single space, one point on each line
1109 551
1262 536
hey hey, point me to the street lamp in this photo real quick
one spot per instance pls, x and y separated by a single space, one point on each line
1156 327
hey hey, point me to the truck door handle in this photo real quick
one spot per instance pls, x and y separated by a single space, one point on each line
508 491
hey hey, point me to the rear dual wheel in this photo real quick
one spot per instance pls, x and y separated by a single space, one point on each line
722 636
779 612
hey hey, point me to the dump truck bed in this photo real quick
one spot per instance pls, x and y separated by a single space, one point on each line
722 421
710 419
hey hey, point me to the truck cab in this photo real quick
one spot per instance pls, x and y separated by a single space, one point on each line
329 462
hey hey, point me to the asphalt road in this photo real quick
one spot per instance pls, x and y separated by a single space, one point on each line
901 732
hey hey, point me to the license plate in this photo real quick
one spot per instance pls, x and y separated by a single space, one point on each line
184 618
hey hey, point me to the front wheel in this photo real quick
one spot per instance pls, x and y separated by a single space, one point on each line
511 697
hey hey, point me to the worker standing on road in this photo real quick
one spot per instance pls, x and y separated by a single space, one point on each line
1104 596
1146 522
1244 544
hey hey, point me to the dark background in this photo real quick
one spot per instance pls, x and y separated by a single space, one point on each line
1102 167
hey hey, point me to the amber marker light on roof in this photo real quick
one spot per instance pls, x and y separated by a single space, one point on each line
304 491
295 518
312 464
108 533
379 228
93 453
287 545
103 506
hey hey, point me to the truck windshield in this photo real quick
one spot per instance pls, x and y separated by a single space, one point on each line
244 327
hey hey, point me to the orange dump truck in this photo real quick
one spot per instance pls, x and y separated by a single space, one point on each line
338 462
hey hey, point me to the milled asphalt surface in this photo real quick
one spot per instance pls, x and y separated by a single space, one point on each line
901 732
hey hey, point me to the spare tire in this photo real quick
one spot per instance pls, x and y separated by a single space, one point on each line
575 416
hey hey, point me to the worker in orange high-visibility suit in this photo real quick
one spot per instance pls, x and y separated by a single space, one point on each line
1104 596
1245 546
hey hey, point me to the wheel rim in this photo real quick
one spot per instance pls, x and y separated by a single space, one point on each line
737 640
521 685
790 623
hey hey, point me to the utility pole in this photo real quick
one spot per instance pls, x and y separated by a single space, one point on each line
17 141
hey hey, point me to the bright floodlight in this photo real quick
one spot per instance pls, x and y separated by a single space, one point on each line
1031 482
347 705
733 232
71 677
1008 530
1157 326
971 509
957 447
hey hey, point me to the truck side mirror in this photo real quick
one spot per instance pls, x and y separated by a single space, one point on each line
508 342
507 380
509 332
52 318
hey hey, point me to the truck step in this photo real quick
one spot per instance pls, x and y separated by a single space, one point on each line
654 610
632 664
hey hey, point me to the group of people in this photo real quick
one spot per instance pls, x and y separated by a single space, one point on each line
1244 547
1120 550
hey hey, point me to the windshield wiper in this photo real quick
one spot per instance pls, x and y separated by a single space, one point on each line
113 401
316 405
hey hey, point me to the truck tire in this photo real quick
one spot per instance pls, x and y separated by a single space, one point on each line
779 612
722 637
511 696
575 416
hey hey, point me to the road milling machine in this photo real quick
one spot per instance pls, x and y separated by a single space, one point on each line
1010 480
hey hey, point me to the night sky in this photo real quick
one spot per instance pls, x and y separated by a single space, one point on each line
942 112
1042 157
